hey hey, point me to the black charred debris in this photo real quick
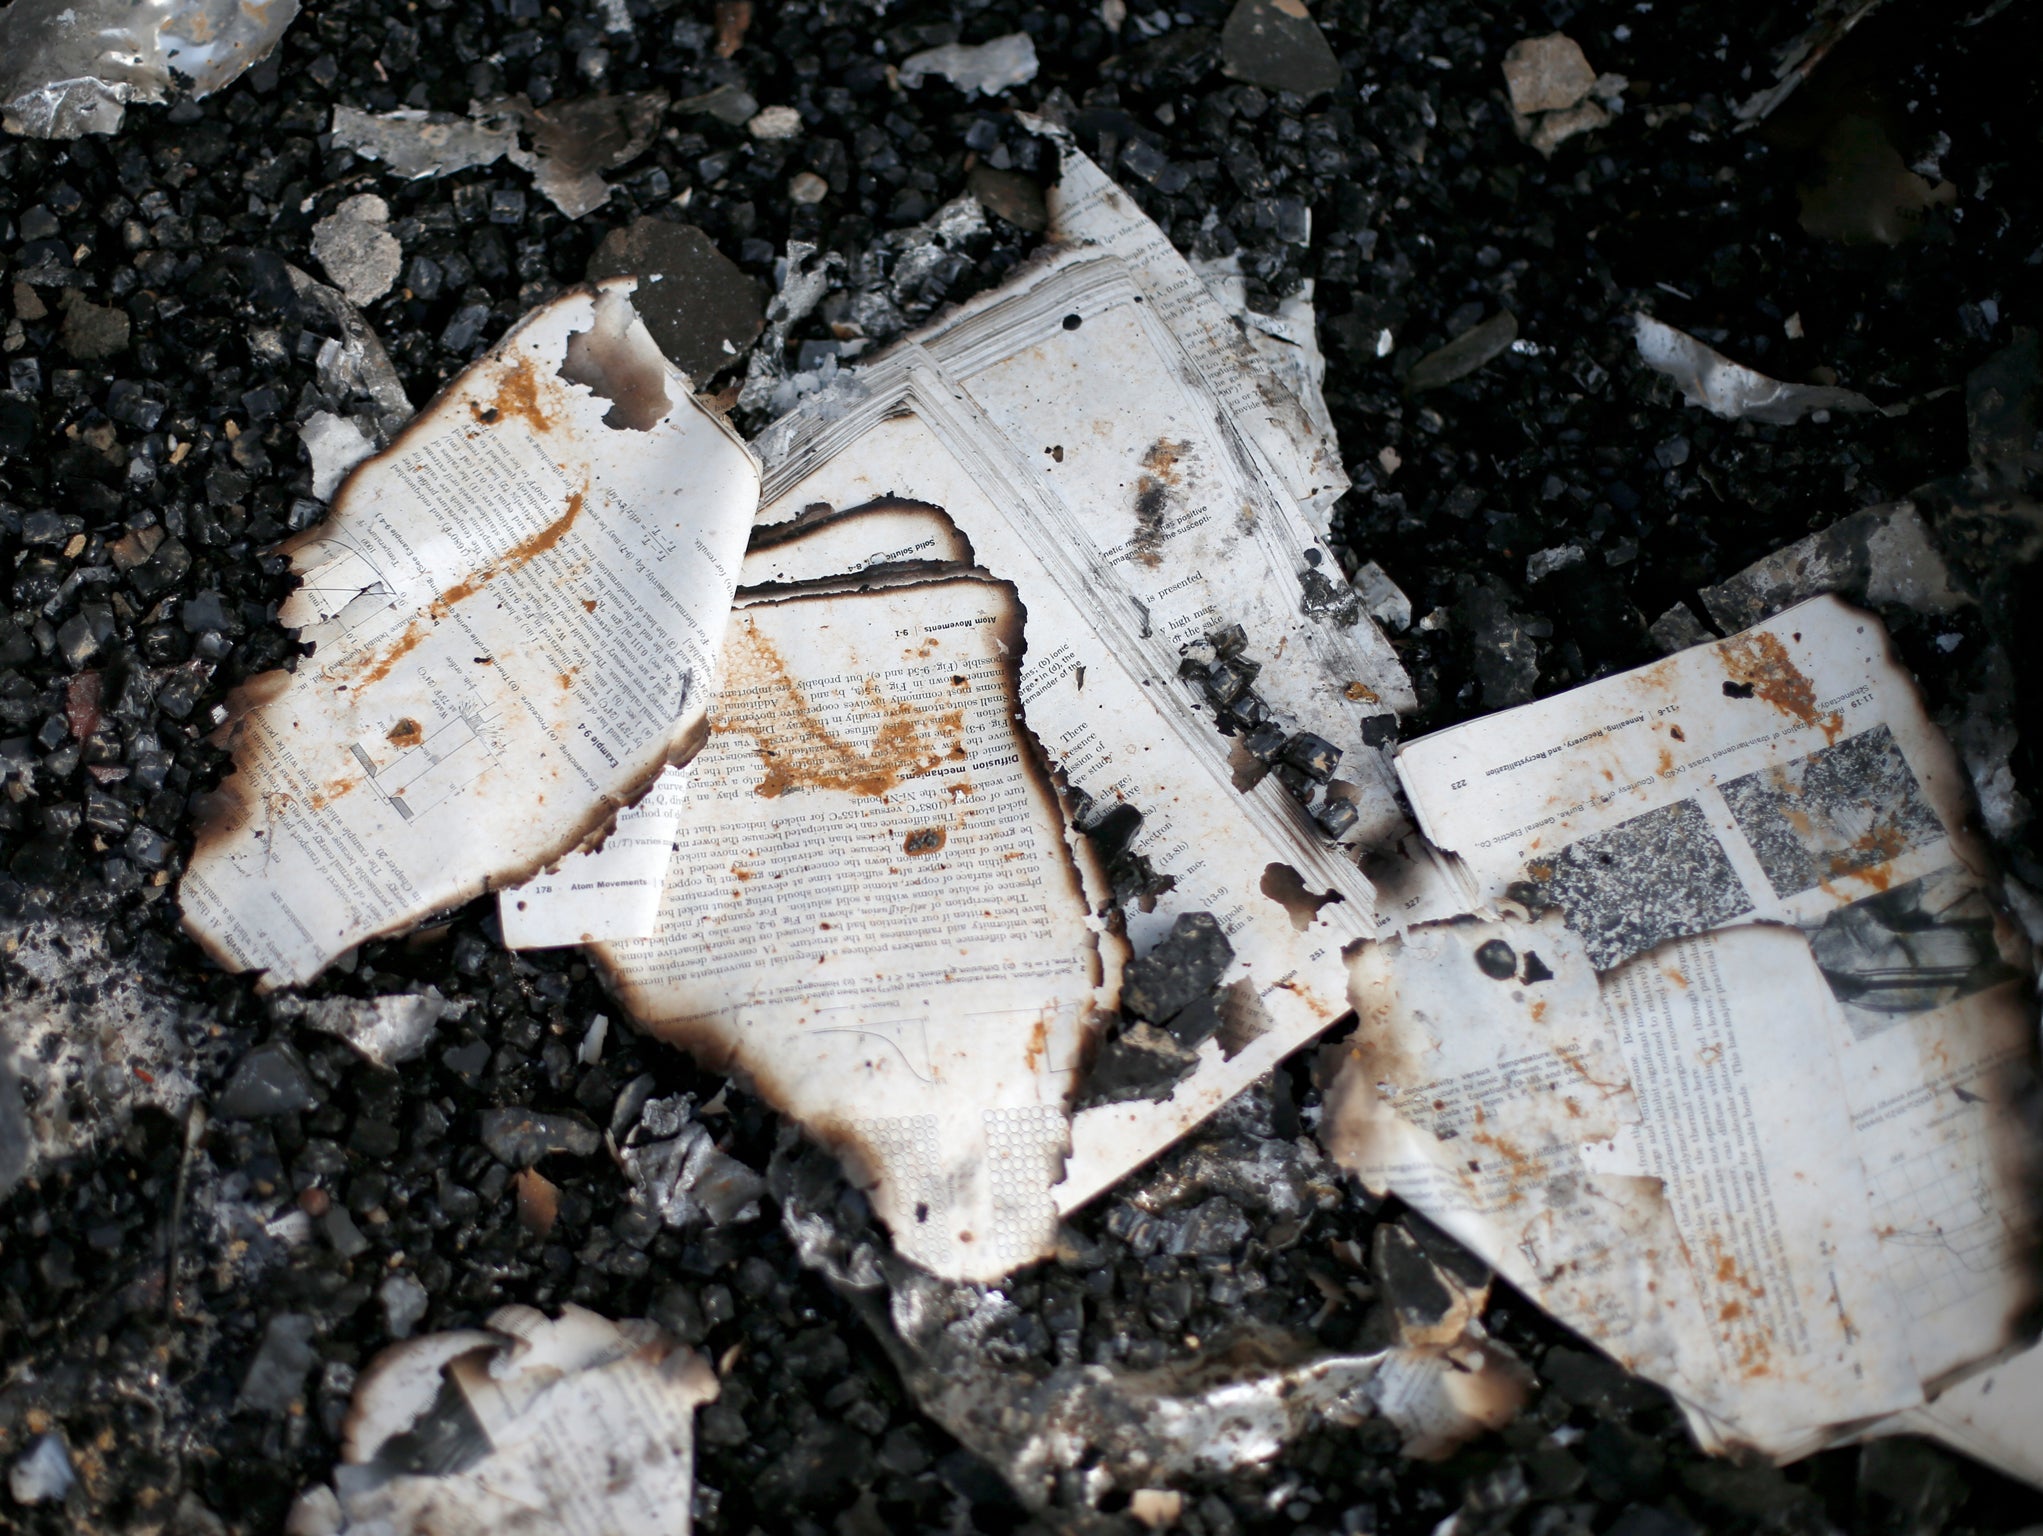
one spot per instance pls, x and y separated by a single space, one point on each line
217 1232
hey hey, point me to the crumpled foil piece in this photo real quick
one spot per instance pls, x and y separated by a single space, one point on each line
678 1171
573 142
70 67
1731 390
412 143
988 68
354 367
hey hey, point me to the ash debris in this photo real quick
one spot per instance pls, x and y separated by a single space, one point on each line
187 1301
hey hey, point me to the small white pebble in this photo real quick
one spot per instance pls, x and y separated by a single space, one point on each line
808 187
776 123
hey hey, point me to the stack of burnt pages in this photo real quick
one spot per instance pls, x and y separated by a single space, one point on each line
993 765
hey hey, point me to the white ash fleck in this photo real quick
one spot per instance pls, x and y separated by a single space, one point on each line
988 68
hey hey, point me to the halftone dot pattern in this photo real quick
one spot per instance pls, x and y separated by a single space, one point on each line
907 1151
1025 1149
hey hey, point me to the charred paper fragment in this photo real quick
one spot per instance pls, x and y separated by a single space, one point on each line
577 1423
388 1030
574 142
1472 349
1811 1033
804 276
571 143
1008 195
1863 192
1478 1096
983 68
483 698
43 1473
1678 628
413 143
1383 599
1832 22
352 366
1777 775
335 445
1276 44
871 852
1436 1289
70 67
1882 556
698 306
1731 390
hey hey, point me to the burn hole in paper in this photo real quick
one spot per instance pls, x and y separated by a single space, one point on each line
617 359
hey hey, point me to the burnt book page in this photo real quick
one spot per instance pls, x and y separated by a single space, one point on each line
1162 489
1218 840
824 543
1289 429
875 913
1730 1253
1788 773
470 1433
1165 504
1763 845
515 611
612 892
1125 403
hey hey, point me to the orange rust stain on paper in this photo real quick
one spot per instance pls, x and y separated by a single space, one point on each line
1762 663
1522 1168
799 750
517 395
1162 459
319 800
406 733
1039 1046
525 550
546 538
379 668
1884 844
1728 1273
